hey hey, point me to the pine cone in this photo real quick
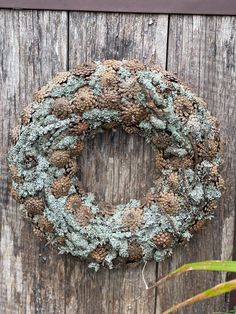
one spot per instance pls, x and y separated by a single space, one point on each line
84 215
71 168
160 162
173 180
106 209
132 114
220 182
210 207
169 203
34 205
14 174
60 240
130 129
130 89
59 158
61 77
15 133
155 67
61 108
110 125
44 225
185 162
132 218
73 203
85 69
41 94
163 239
84 100
183 107
199 101
213 147
134 65
16 196
197 226
39 234
148 199
208 149
214 171
77 149
214 126
30 161
115 64
27 114
80 189
61 186
78 127
202 151
135 252
161 140
109 78
99 254
110 99
171 77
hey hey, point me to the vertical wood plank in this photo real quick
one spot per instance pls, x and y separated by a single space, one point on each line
202 52
111 163
33 46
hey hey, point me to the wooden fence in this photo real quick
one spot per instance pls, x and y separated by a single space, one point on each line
34 45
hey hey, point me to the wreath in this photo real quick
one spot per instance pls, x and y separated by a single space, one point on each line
140 99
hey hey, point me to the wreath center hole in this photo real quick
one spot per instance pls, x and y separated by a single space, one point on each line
116 166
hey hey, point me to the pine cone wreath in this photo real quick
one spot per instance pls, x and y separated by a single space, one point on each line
141 100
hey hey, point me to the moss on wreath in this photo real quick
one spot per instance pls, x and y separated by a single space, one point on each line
140 99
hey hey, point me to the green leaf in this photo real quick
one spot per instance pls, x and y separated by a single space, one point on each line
217 290
224 266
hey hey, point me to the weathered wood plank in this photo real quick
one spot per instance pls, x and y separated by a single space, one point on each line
33 46
114 166
202 52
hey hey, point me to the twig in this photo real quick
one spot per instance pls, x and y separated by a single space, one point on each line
145 283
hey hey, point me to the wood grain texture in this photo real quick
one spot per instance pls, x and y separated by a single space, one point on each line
115 166
36 44
33 47
202 52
